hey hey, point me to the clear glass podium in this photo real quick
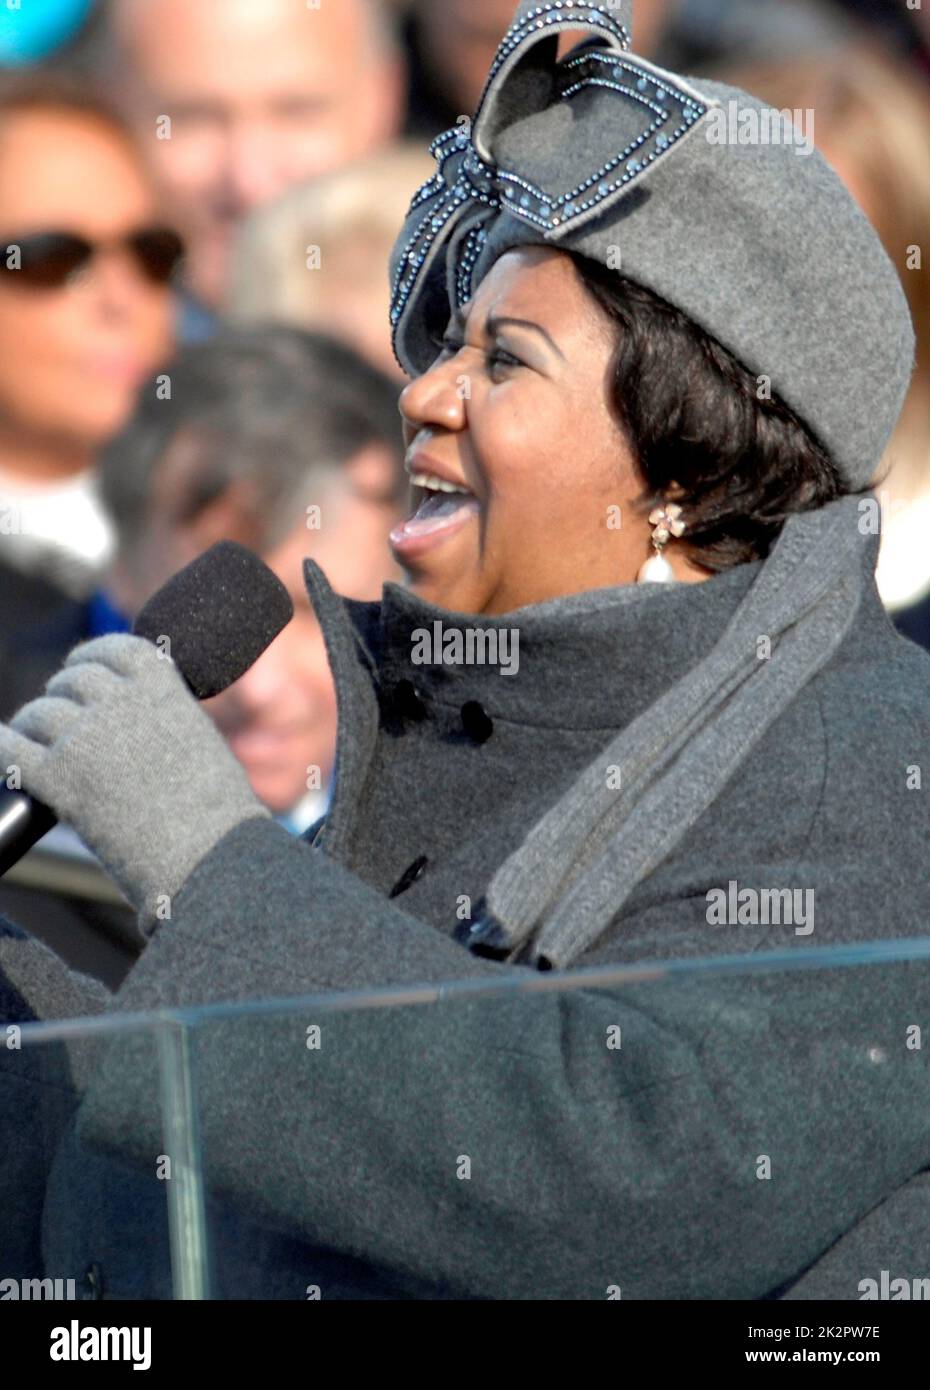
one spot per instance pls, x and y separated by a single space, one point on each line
696 1129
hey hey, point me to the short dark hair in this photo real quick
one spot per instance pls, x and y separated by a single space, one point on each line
693 417
268 405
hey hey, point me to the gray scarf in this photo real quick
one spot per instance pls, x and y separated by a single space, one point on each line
551 899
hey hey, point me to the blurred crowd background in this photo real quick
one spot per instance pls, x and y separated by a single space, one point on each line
197 203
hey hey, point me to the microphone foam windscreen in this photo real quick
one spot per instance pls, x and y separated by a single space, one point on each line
219 613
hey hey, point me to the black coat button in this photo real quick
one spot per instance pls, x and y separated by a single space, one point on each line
408 701
476 721
410 875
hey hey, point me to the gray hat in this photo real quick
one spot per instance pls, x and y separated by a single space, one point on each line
688 187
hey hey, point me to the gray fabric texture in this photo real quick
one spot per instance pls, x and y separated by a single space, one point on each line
895 1237
39 1090
762 246
587 1170
119 749
601 838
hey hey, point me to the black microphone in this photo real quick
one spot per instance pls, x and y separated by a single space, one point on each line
214 618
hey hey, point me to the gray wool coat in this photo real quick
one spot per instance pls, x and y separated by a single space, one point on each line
755 1135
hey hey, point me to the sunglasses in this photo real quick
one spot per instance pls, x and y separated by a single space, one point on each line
49 260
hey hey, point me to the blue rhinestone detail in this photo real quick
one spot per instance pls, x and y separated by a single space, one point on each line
570 14
472 247
667 103
461 182
465 182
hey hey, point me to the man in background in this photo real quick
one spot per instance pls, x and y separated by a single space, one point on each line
236 100
289 443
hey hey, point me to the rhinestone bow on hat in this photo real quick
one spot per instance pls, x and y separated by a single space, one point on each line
545 154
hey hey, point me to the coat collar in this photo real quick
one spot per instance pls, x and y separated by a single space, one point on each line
588 661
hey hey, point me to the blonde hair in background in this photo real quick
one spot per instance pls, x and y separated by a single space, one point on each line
318 256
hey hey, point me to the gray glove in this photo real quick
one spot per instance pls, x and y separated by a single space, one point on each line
119 748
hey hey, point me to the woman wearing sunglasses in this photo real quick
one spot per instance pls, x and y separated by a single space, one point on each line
86 315
654 370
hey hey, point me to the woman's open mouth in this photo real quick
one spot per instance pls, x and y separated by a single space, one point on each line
440 509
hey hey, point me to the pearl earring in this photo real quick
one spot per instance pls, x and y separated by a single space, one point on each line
665 522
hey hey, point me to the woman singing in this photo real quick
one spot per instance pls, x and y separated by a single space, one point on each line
638 702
